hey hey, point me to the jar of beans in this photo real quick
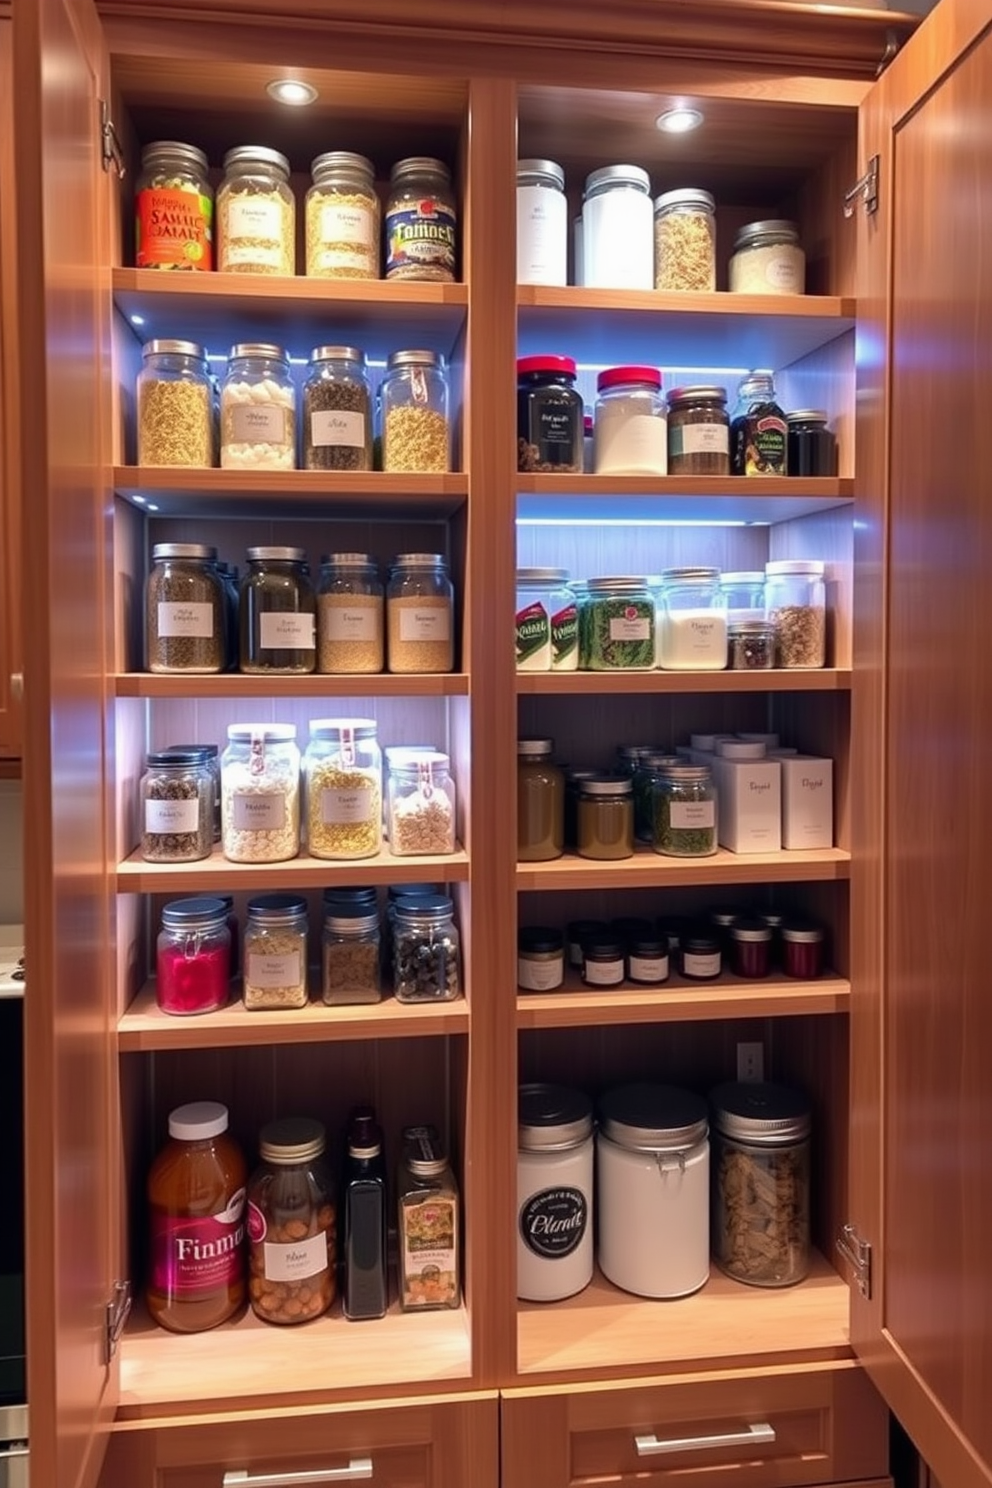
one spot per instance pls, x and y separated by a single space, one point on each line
292 1224
426 950
415 430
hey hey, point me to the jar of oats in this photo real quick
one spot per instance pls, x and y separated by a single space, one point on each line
260 793
342 217
175 405
292 1224
415 431
685 241
350 620
256 213
274 952
342 782
420 614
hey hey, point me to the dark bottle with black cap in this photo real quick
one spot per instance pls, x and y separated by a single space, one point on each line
365 1290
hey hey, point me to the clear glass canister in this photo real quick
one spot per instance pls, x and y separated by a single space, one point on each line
542 223
421 806
540 802
685 812
693 621
260 793
292 1224
177 808
742 594
751 646
274 952
547 636
209 755
421 224
617 631
342 781
351 953
337 411
173 209
758 429
416 435
550 415
554 1192
278 613
767 259
646 771
698 431
426 950
184 610
350 620
618 229
605 817
685 241
420 629
257 409
342 218
761 1182
193 957
256 213
796 604
631 432
175 405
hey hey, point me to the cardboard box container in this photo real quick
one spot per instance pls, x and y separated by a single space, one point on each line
807 801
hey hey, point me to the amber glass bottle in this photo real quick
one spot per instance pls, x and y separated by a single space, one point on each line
540 802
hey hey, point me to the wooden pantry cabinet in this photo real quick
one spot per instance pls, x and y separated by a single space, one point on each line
10 478
557 1393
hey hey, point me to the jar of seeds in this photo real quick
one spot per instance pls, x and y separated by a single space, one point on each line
342 213
337 411
352 953
278 613
342 778
420 614
260 793
258 409
426 950
421 805
350 618
177 807
275 952
175 405
256 213
415 431
184 610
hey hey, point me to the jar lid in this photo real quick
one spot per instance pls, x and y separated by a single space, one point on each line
404 890
698 393
539 938
546 576
417 762
740 749
198 1120
761 1112
338 354
743 576
412 907
648 944
342 160
602 943
415 358
176 348
423 1151
207 751
658 761
184 550
619 376
801 934
280 554
546 170
813 566
266 349
686 773
606 785
292 1139
621 582
772 917
271 733
775 227
759 629
700 942
418 165
419 560
690 575
560 366
685 196
349 919
723 918
174 150
336 728
750 930
259 154
807 416
653 1118
535 748
551 1118
617 175
356 897
348 560
193 914
272 909
164 759
637 751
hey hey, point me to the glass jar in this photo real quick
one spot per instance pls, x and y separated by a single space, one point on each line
257 409
685 812
337 411
761 1182
796 604
550 415
420 631
421 223
426 950
177 807
647 958
573 779
421 806
701 954
342 783
542 223
292 1224
685 241
193 957
617 229
540 802
278 612
260 793
751 646
751 948
646 769
540 958
175 405
758 428
577 932
351 633
698 431
351 953
342 218
429 1224
184 610
209 754
256 213
631 432
742 595
617 633
554 1192
603 962
274 951
811 448
605 818
802 950
173 210
547 628
416 436
693 621
767 259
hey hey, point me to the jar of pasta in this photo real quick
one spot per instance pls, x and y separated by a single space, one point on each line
278 612
415 431
685 241
350 618
260 793
342 782
274 952
258 409
256 213
421 221
342 218
175 405
173 209
292 1224
421 805
420 614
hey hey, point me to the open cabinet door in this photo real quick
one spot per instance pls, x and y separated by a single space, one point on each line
921 1191
72 1190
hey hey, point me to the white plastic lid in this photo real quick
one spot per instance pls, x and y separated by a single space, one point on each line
740 749
795 566
198 1121
770 741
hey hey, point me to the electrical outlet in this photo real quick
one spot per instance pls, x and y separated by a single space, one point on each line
751 1061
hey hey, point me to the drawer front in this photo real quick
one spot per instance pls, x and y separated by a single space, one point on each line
778 1429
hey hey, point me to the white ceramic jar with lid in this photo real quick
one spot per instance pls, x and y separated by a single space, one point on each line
554 1192
618 229
542 223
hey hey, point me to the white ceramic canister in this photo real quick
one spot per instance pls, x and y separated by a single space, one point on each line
554 1192
542 223
652 1186
618 229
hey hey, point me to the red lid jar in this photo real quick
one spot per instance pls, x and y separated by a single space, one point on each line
549 415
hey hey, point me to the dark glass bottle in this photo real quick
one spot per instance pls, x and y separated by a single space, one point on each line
550 415
758 430
365 1289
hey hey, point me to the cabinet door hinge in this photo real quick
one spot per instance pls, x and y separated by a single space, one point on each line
111 153
865 190
118 1312
857 1253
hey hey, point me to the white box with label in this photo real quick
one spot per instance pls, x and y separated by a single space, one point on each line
807 801
749 804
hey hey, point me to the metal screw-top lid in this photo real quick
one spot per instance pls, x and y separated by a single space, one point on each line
277 909
653 1118
620 584
264 349
540 172
345 163
176 759
775 228
357 896
547 576
256 155
277 554
610 176
690 774
198 1120
750 930
271 733
607 786
743 577
350 920
659 761
634 752
338 354
419 560
419 165
807 416
761 1112
801 934
184 550
292 1139
423 1151
404 890
176 348
199 913
535 748
699 393
207 751
416 358
700 942
422 909
341 728
174 150
552 1118
758 629
698 575
687 196
352 560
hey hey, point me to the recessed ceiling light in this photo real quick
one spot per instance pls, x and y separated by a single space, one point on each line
137 320
291 91
678 120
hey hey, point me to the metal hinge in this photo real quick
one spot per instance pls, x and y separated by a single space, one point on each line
111 152
865 190
891 49
118 1312
857 1253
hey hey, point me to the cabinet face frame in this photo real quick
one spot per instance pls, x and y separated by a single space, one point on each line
10 474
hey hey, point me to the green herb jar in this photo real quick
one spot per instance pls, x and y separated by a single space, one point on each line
685 812
617 633
605 817
646 772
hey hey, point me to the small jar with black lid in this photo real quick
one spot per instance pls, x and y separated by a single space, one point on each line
577 932
811 447
751 948
647 957
701 954
177 806
605 817
550 415
278 612
540 958
602 959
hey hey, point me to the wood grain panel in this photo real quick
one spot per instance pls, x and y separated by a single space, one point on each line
10 473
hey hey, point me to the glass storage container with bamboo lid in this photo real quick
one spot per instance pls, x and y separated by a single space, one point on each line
175 405
342 218
184 610
256 213
173 209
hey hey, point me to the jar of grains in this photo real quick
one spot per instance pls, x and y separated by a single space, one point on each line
193 957
278 613
350 620
274 952
554 1192
177 807
420 614
796 604
698 431
685 241
540 802
175 405
605 817
421 221
342 781
421 805
351 953
550 417
258 409
209 755
767 259
685 812
426 950
542 223
173 209
342 218
631 435
337 411
415 430
618 626
184 610
260 793
617 240
292 1224
693 621
546 621
256 213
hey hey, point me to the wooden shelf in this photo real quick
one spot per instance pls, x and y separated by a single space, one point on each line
224 685
135 876
369 495
680 1000
632 499
647 870
594 684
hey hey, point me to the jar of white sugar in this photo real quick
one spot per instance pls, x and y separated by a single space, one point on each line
258 409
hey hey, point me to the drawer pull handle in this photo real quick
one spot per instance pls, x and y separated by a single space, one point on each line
358 1467
650 1446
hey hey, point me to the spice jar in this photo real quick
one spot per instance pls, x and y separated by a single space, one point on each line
605 818
554 1192
209 755
278 611
351 634
256 213
175 405
646 770
685 241
421 805
275 952
602 958
426 950
811 448
351 955
547 626
342 218
540 802
630 431
260 793
761 1181
173 210
685 812
429 1224
573 779
758 428
337 411
177 807
693 621
577 932
193 957
415 431
617 630
802 950
292 1224
540 958
420 632
421 222
257 409
342 783
184 610
550 415
647 957
796 604
742 595
698 431
542 223
701 954
196 1222
767 259
617 229
751 646
751 947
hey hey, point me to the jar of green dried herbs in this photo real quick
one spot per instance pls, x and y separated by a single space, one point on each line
337 411
646 771
685 812
618 630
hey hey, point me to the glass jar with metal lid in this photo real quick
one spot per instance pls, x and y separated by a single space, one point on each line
257 409
351 631
742 595
698 431
184 610
342 788
421 805
647 767
751 646
421 223
177 807
175 405
420 621
554 1192
630 433
260 793
617 229
617 633
547 633
811 446
550 416
193 957
351 956
605 817
342 218
652 1190
542 223
256 213
292 1224
416 435
685 241
685 812
274 952
278 612
208 754
693 621
540 802
426 950
603 960
751 947
337 410
802 949
761 1181
173 209
767 259
796 604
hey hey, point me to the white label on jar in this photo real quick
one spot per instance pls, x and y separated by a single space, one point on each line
250 216
284 970
705 439
689 814
701 966
285 630
257 423
542 235
540 976
622 629
172 816
270 258
297 1261
602 973
425 625
264 812
342 623
783 274
185 619
346 805
648 968
338 428
341 224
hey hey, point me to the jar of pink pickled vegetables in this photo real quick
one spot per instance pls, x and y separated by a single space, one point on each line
193 956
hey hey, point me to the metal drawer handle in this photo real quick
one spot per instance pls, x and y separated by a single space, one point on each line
358 1467
650 1446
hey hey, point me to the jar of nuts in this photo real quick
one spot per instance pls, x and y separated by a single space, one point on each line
275 952
415 431
292 1224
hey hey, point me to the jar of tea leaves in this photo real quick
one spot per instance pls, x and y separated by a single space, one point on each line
337 411
351 961
184 610
617 634
685 812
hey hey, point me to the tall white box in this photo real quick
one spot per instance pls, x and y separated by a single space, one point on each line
749 804
807 801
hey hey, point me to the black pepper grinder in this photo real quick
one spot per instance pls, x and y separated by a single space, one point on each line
365 1289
